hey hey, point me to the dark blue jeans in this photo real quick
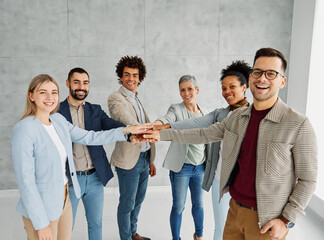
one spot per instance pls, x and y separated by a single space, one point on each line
132 189
190 176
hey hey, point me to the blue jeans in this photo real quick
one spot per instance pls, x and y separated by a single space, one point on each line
132 189
190 176
92 195
220 210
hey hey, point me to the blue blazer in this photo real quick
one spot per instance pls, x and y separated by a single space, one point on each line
38 166
95 119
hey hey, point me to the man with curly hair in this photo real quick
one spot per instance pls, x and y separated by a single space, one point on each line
133 162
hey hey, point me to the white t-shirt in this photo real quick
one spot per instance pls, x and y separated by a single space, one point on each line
60 148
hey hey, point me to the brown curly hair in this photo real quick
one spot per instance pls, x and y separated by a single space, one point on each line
131 62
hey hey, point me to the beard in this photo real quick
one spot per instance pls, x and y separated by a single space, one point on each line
76 96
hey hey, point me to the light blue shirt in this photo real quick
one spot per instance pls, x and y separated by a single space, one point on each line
145 146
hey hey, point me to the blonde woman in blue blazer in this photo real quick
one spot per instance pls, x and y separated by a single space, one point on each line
186 162
43 161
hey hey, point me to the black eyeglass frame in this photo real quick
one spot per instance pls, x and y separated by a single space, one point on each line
270 70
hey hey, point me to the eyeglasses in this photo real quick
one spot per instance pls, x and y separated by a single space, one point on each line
269 74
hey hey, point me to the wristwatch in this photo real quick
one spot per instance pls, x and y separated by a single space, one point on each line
288 223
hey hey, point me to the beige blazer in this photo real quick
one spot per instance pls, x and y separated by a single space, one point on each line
121 108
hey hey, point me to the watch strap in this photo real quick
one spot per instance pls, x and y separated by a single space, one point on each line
285 220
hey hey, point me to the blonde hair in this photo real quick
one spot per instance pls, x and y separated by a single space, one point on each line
36 82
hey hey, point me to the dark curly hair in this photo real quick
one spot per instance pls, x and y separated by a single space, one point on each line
131 62
240 69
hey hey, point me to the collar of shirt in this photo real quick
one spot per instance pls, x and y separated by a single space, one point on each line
73 106
130 93
145 145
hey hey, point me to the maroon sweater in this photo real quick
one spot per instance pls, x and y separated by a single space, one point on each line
243 188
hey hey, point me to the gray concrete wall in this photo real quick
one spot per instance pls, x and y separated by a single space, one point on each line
173 37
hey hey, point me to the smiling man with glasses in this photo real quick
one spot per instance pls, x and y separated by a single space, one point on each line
266 79
269 156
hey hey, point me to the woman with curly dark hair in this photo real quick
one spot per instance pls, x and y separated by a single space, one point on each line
234 79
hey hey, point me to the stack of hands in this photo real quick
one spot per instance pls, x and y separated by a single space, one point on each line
147 132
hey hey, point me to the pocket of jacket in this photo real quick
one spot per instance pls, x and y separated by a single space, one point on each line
278 159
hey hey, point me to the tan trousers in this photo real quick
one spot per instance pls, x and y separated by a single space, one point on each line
242 224
61 228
